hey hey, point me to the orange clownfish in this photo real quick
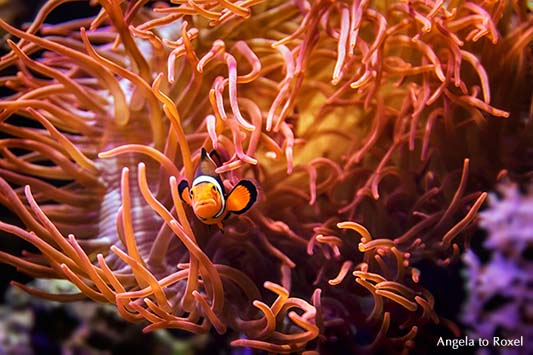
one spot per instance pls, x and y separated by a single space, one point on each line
207 197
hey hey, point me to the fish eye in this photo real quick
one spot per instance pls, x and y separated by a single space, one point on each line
213 187
192 193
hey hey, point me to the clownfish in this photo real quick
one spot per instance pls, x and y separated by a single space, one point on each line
207 197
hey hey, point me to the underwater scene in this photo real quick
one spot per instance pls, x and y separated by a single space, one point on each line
266 177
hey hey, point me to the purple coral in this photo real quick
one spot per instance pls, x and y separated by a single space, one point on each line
500 292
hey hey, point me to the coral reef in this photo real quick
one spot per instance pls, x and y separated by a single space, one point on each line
365 124
499 289
31 325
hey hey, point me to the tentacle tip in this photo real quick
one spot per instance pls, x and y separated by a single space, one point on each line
147 329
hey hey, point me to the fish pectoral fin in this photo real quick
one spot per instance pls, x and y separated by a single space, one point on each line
183 189
242 197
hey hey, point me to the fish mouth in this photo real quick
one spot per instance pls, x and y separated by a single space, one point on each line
205 208
205 203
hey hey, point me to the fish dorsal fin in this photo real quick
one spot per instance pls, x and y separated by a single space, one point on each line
206 166
204 154
215 157
183 189
241 197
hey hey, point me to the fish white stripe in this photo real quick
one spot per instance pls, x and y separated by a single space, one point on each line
206 178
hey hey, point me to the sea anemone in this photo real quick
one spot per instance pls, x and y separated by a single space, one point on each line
356 119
